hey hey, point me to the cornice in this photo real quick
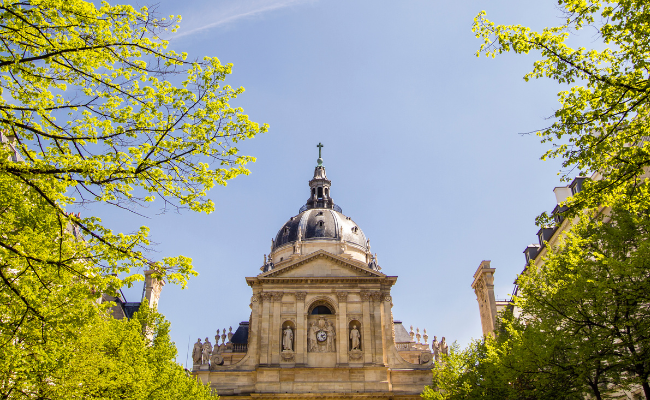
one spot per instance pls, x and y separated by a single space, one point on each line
256 280
352 264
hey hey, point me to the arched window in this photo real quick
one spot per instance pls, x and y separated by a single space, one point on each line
320 192
321 310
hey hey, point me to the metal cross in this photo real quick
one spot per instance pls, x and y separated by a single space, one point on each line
320 146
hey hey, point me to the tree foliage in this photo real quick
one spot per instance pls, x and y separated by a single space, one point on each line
100 111
584 324
602 123
97 109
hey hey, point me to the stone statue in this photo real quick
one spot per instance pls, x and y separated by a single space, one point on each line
196 352
287 340
312 337
355 336
435 347
331 337
444 349
207 350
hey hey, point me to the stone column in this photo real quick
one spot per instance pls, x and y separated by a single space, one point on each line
378 329
342 329
301 329
276 328
264 331
367 341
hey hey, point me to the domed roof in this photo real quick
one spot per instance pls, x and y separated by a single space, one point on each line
320 224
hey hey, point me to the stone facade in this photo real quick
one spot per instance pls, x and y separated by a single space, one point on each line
321 321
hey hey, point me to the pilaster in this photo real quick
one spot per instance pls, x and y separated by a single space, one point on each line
254 342
368 343
387 324
264 331
378 328
276 328
301 329
342 328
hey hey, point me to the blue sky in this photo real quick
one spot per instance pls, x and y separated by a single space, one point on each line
422 146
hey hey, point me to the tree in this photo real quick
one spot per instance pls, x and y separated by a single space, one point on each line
466 374
107 359
602 124
88 104
594 290
96 109
583 328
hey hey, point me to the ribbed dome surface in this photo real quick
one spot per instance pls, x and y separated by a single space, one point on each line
320 224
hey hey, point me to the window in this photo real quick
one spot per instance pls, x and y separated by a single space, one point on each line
321 310
321 223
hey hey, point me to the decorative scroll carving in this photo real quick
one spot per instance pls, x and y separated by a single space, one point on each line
387 298
287 355
365 296
266 296
277 296
425 357
301 295
255 298
355 355
215 359
343 296
376 296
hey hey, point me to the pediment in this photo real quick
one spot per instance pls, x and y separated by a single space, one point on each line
321 264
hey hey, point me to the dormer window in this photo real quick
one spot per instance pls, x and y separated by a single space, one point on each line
321 223
355 229
286 230
541 238
319 213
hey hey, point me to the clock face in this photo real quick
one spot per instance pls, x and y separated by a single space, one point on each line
321 336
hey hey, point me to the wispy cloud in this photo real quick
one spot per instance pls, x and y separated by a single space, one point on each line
220 16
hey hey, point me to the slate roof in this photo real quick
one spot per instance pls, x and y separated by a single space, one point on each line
401 335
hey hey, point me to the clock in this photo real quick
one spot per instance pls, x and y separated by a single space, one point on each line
321 336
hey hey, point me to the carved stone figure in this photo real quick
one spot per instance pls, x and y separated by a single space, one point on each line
312 344
331 337
196 352
355 336
444 349
287 340
435 347
207 350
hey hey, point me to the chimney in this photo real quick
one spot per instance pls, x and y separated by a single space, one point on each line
562 193
152 288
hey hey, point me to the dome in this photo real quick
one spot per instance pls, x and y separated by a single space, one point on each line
321 224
